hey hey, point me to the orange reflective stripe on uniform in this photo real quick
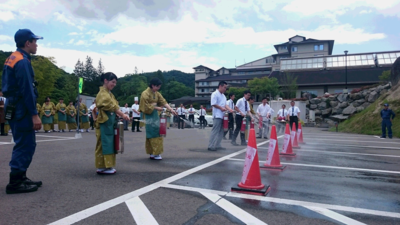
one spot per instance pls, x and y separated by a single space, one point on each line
13 59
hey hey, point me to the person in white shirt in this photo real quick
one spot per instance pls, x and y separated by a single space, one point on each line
218 102
191 112
242 109
125 110
231 105
135 116
264 111
181 113
293 115
202 114
281 118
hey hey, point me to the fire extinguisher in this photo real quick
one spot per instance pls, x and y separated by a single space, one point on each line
243 127
252 125
119 138
163 124
226 122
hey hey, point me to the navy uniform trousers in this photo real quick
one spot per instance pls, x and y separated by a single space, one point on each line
386 124
25 143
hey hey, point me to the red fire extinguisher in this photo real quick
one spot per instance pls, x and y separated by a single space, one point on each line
163 124
252 125
243 127
226 122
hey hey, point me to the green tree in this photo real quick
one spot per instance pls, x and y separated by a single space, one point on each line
237 91
264 87
100 69
131 87
175 89
289 85
46 74
385 76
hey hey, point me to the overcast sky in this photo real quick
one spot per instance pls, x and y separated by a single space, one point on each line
175 34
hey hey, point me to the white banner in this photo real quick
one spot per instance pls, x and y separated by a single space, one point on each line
286 142
250 154
293 135
271 149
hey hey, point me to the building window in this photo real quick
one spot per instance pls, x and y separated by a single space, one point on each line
294 49
284 47
318 47
202 90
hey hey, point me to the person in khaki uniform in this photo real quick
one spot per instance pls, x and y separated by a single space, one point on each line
62 115
47 118
107 108
71 113
84 117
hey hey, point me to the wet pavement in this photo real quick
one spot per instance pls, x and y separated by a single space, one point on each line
335 178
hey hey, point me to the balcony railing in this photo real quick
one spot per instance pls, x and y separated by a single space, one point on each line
337 61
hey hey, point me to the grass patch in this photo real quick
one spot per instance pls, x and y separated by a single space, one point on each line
369 122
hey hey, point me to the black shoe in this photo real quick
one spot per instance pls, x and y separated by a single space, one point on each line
224 138
29 181
133 130
265 138
92 128
234 143
221 148
17 185
259 137
212 149
138 131
244 144
383 137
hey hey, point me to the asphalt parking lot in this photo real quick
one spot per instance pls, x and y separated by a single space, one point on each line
335 178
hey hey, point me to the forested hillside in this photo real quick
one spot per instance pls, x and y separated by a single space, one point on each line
56 83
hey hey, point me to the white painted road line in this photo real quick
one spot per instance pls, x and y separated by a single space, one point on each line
76 217
288 201
313 204
354 141
344 153
235 211
140 213
64 139
331 167
39 135
334 215
311 144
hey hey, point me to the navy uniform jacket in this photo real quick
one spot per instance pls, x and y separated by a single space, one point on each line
387 114
17 84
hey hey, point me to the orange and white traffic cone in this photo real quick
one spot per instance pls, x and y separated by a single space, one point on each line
287 143
251 178
293 137
273 161
300 135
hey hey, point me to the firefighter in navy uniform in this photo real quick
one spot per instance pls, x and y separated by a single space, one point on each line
19 88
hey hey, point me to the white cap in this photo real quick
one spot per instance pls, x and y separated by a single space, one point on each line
136 99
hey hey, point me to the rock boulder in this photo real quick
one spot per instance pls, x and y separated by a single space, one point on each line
359 109
326 112
334 103
343 104
322 106
349 110
313 106
342 97
373 96
315 101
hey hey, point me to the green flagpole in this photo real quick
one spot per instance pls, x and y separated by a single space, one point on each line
78 134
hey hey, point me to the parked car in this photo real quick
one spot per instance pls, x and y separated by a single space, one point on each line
208 118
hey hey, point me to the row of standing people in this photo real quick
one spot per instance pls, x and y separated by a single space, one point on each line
240 111
183 112
66 116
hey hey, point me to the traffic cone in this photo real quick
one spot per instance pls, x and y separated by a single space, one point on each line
251 178
287 143
293 137
273 161
300 135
